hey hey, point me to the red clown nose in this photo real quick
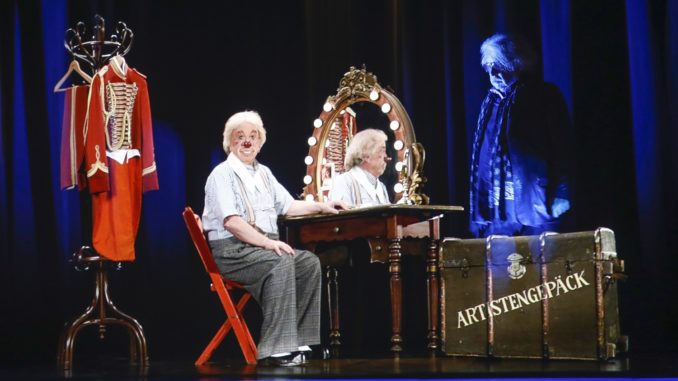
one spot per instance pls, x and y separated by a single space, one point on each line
247 144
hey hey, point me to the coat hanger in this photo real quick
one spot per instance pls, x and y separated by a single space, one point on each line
73 67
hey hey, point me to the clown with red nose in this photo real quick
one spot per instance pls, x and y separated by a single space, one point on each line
246 142
243 200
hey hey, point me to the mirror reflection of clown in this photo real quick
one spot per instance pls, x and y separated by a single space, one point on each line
366 160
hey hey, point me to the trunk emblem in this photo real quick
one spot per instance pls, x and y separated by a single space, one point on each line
516 269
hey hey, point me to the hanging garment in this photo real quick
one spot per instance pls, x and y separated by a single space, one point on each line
72 137
116 213
119 157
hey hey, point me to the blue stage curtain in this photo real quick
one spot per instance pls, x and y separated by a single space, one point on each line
556 45
66 203
475 29
455 130
161 228
671 79
649 111
22 212
29 264
653 88
5 125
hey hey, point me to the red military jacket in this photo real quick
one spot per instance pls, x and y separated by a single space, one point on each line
118 97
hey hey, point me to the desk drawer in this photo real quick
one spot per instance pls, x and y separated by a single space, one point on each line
342 230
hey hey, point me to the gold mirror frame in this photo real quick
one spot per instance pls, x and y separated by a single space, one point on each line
359 85
411 176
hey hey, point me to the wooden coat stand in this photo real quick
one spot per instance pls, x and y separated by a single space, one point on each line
101 312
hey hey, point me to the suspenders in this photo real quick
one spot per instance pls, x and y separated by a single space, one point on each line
355 187
251 219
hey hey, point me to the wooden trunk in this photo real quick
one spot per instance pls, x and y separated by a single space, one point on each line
548 296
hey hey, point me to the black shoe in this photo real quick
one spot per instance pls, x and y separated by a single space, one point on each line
293 359
305 356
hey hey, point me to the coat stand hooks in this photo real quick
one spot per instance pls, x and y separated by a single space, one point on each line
98 51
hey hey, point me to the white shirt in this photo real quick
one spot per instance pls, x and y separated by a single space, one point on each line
224 197
355 188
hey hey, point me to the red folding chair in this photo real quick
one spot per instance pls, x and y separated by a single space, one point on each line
222 287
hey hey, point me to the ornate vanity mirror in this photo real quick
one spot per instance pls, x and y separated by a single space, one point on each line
360 102
389 230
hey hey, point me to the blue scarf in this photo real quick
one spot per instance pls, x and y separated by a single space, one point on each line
496 213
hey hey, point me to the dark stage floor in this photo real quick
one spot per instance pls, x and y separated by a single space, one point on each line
664 365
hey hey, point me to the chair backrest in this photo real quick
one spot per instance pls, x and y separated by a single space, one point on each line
198 236
221 286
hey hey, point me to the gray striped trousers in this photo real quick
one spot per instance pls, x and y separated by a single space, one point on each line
286 287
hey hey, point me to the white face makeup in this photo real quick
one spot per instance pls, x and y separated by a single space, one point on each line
499 78
245 143
375 163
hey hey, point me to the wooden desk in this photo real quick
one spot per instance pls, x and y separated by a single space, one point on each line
382 227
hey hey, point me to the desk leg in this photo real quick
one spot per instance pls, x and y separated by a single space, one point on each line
433 285
333 302
394 260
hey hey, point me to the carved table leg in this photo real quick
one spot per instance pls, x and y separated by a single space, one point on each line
333 303
432 283
394 260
